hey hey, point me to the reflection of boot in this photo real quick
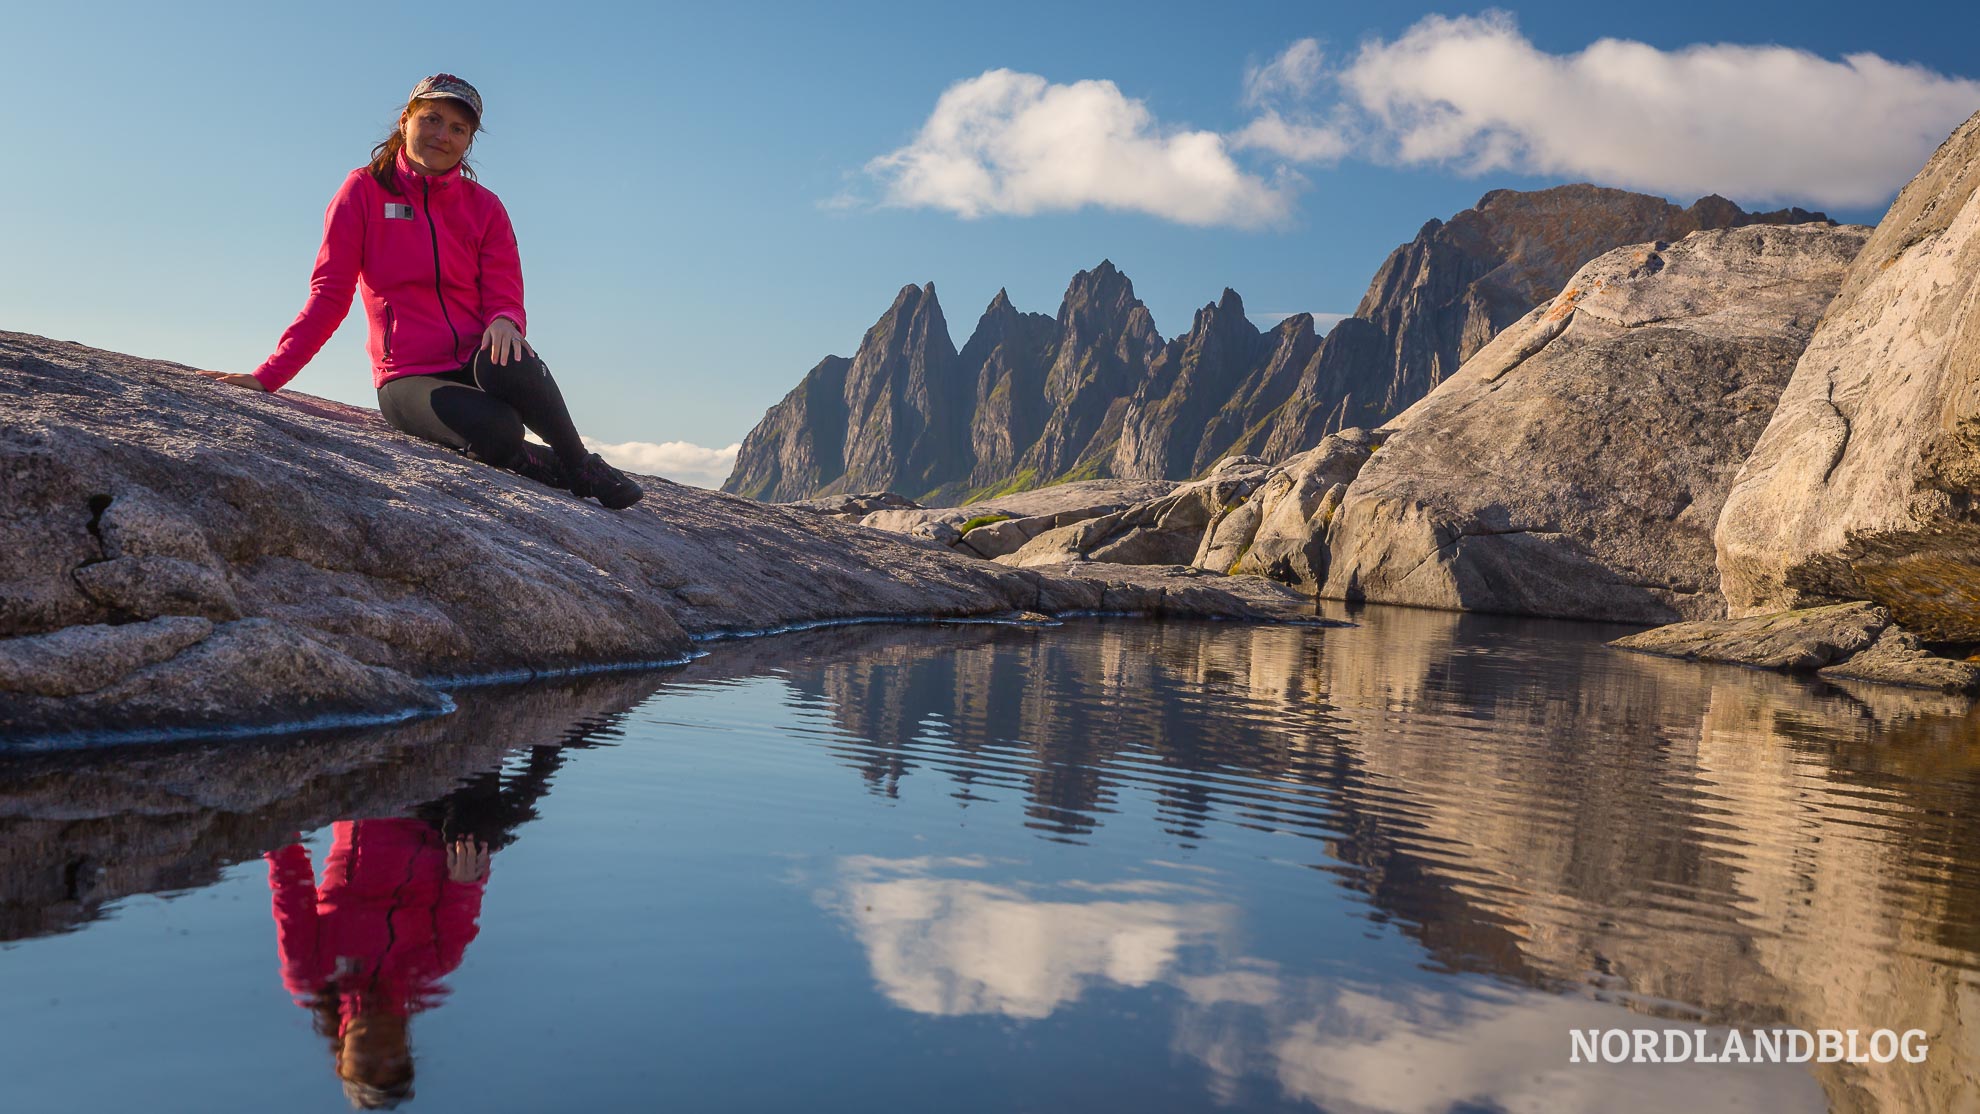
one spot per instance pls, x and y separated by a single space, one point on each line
605 483
537 462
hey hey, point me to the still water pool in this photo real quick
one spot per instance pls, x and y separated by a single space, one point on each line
1109 865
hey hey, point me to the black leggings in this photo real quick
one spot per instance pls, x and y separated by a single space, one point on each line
482 407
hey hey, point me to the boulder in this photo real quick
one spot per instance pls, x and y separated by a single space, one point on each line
1018 518
1575 467
1862 485
1848 642
1281 532
852 508
1164 531
1792 641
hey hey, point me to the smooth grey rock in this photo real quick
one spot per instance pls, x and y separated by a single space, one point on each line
1861 486
1172 591
1899 658
852 508
1576 465
1025 514
1285 537
1228 536
995 539
1164 531
1439 299
1794 640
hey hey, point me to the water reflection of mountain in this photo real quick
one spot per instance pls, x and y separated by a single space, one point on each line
1723 844
80 829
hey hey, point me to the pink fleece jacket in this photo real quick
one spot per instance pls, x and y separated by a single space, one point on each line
435 264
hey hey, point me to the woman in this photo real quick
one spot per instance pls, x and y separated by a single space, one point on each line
434 256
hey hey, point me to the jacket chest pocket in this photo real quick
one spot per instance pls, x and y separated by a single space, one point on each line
398 253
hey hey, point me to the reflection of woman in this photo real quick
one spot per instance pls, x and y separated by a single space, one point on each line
399 903
368 949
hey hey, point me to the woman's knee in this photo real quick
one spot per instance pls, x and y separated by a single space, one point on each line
524 372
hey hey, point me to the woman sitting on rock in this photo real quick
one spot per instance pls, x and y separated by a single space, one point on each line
435 257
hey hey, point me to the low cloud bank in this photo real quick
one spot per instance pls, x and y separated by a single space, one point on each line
680 461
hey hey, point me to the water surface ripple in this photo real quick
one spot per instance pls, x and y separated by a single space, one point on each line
1107 865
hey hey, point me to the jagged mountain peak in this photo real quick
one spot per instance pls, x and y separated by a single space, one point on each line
912 296
1095 390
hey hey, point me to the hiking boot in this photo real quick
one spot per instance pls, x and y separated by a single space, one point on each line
537 462
604 483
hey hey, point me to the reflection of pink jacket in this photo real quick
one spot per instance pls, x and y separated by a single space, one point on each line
388 922
435 263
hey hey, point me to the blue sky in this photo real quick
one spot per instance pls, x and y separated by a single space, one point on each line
702 218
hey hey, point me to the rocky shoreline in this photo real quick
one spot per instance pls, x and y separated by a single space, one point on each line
185 557
1763 434
1738 431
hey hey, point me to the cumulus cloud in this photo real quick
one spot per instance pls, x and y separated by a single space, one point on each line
1296 72
1757 123
680 461
1016 144
1296 140
1753 122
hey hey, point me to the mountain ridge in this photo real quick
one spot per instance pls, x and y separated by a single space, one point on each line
1096 391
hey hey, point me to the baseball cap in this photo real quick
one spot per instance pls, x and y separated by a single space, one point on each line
447 85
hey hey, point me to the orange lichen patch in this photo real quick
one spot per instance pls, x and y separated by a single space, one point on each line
1564 304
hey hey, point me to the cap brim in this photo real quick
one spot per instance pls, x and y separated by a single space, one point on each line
434 96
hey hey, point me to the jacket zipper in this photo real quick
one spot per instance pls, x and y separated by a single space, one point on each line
433 233
388 332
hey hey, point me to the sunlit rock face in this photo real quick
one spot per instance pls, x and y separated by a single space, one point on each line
1575 467
1862 486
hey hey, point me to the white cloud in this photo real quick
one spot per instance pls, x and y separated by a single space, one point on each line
680 461
1296 72
1752 122
1016 144
1293 139
1756 123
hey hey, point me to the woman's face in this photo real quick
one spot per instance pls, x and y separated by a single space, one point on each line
437 134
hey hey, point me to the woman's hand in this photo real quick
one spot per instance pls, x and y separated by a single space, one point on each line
503 341
237 379
467 859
